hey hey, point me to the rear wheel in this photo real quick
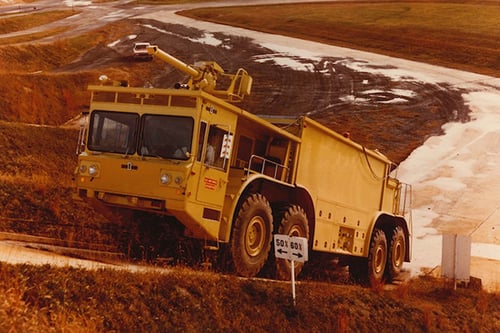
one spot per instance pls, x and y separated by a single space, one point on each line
397 253
377 257
294 223
251 241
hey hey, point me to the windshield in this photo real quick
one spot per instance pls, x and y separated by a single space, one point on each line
113 132
166 136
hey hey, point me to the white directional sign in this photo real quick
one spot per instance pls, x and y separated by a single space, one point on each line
291 248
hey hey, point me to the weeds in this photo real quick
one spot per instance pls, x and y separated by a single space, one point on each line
377 287
403 291
343 320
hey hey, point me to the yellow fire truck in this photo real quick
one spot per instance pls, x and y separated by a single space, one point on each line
233 179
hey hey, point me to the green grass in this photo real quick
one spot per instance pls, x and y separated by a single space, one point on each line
461 35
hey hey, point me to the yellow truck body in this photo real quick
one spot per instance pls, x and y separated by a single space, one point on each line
234 179
349 185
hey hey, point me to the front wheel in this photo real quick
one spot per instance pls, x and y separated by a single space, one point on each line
293 224
252 234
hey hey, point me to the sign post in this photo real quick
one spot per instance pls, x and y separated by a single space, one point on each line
293 249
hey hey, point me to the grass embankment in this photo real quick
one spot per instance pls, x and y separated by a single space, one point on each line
36 186
31 20
36 90
181 300
37 94
458 35
43 98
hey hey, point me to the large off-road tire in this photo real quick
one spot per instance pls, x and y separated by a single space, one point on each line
377 257
252 235
293 223
397 253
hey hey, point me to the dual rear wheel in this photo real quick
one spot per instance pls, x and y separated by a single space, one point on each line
385 258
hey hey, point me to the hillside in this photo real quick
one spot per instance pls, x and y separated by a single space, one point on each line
36 186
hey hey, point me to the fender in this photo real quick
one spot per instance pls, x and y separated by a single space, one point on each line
273 190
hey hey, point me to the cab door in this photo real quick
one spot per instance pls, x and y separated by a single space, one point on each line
212 163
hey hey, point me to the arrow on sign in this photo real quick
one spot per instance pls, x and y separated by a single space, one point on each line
290 248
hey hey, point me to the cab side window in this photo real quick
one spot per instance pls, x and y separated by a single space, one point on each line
218 148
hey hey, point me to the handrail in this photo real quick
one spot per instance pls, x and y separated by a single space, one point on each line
405 202
257 162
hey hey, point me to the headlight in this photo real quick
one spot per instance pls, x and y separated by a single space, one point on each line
82 168
178 180
89 169
165 179
92 170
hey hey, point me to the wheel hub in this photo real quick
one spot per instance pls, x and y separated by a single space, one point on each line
379 260
398 260
254 240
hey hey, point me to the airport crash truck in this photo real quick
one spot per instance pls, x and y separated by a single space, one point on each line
233 179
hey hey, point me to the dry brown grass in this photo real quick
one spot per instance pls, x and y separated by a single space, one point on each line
183 300
463 35
43 98
30 37
38 92
36 186
27 21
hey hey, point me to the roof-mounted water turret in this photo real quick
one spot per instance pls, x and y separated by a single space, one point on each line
204 76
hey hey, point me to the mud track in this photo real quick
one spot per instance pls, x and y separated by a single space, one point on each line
381 113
